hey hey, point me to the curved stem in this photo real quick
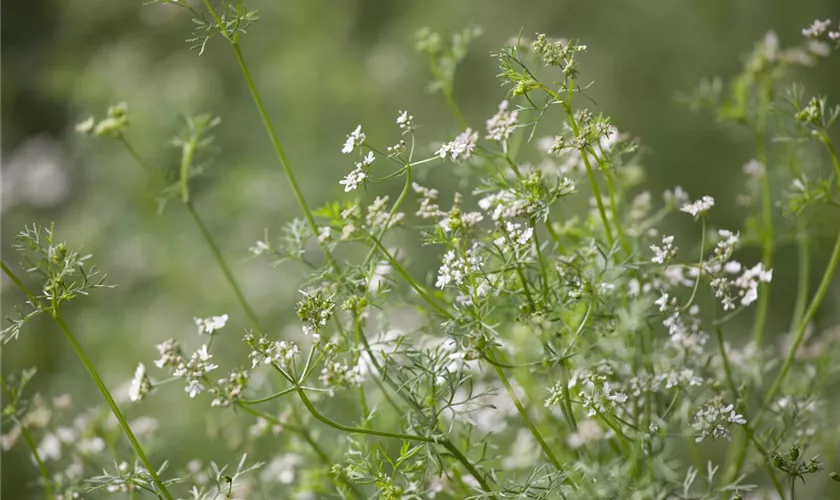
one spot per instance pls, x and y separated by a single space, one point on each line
525 417
699 266
220 260
304 433
278 149
799 336
42 468
106 394
391 214
407 277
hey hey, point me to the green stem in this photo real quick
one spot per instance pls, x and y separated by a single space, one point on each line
42 468
110 400
407 277
766 217
799 335
614 205
391 214
322 455
525 417
106 394
220 260
590 174
543 267
278 149
699 265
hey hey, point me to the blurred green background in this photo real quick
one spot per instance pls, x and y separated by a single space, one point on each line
323 67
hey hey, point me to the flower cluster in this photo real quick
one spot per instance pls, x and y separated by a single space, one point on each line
461 148
502 125
715 418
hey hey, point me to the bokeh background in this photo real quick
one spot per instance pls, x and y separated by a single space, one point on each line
323 67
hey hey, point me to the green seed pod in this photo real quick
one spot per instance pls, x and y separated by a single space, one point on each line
794 452
835 476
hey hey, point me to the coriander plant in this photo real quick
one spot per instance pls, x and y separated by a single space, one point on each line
567 344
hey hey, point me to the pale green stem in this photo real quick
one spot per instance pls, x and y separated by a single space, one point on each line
525 417
590 174
106 394
27 437
304 433
278 149
393 435
766 217
220 260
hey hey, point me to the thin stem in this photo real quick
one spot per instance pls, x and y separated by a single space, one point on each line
590 174
359 430
391 214
614 206
543 267
100 384
114 408
699 265
525 417
42 468
799 336
304 433
407 277
220 260
278 149
766 216
268 398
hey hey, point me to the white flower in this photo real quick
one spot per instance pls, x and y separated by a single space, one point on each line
714 419
324 233
140 384
501 125
461 148
353 179
194 388
817 28
260 248
50 447
699 207
355 139
666 252
405 121
675 198
207 326
754 169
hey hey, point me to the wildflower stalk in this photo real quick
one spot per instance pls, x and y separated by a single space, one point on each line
816 301
394 435
186 161
613 204
220 260
766 215
94 374
524 414
391 214
278 148
322 455
803 258
407 277
590 174
798 335
543 267
110 400
27 437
